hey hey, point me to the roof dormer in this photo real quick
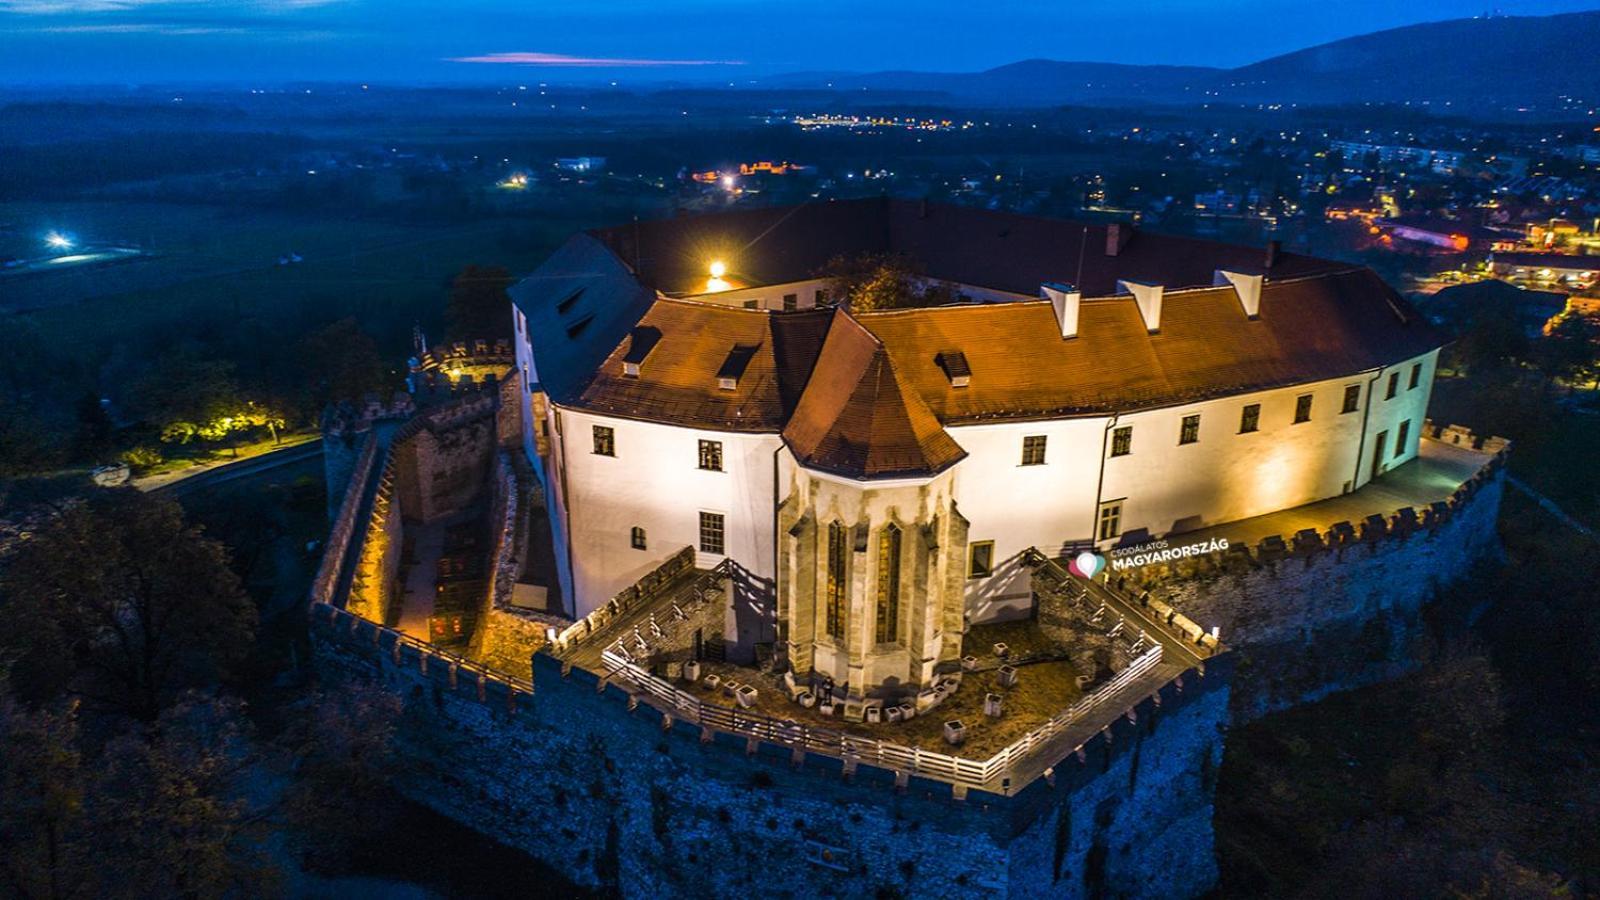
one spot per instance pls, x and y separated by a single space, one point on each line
954 364
641 341
1148 296
733 367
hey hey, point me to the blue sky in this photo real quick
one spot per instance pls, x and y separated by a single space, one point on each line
392 41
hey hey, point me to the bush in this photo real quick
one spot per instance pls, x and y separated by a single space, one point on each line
141 458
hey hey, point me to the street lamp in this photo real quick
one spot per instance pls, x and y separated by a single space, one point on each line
58 241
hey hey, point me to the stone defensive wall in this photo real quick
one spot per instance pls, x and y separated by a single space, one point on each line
578 771
1329 609
335 552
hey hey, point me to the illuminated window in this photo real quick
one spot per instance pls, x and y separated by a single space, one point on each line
1250 418
1122 441
1394 386
838 560
1352 399
791 302
713 533
980 559
711 456
1033 450
1110 524
1302 408
636 538
888 584
1416 376
605 441
1190 432
1400 438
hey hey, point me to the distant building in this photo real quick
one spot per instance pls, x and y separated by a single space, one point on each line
1444 162
1580 272
581 163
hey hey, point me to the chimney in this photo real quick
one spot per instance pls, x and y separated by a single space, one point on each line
1248 287
1148 296
1117 235
1065 299
922 208
1272 253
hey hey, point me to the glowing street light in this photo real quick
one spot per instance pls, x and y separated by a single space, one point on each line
718 268
58 241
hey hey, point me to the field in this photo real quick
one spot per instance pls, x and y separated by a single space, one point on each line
207 264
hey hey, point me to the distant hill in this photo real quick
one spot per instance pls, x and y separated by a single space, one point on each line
1472 64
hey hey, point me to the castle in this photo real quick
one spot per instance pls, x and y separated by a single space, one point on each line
719 542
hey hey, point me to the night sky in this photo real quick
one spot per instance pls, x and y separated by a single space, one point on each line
411 41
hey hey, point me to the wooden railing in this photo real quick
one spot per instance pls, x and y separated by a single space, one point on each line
989 773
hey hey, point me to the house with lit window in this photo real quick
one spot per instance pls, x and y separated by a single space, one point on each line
876 476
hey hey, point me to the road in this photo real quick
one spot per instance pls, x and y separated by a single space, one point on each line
176 484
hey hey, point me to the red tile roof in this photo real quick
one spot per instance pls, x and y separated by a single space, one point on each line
865 395
857 417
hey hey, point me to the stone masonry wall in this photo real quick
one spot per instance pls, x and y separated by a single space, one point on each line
1332 611
585 778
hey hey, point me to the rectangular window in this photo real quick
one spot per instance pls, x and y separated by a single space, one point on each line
1416 377
1033 450
1394 386
1302 408
605 441
711 456
1400 438
1250 418
1122 441
980 559
791 302
1190 432
888 624
1352 399
820 298
636 538
838 560
713 533
1110 524
752 304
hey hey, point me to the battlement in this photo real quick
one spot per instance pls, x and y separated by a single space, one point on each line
1337 538
346 417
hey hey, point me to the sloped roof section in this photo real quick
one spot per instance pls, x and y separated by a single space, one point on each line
578 305
1309 329
999 250
858 420
680 379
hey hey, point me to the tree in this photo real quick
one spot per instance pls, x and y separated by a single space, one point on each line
479 305
342 746
1571 350
120 600
337 362
42 851
874 281
173 795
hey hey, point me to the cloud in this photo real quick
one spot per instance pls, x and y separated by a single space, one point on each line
560 60
141 28
81 7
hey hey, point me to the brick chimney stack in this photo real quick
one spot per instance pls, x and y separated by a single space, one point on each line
1272 253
